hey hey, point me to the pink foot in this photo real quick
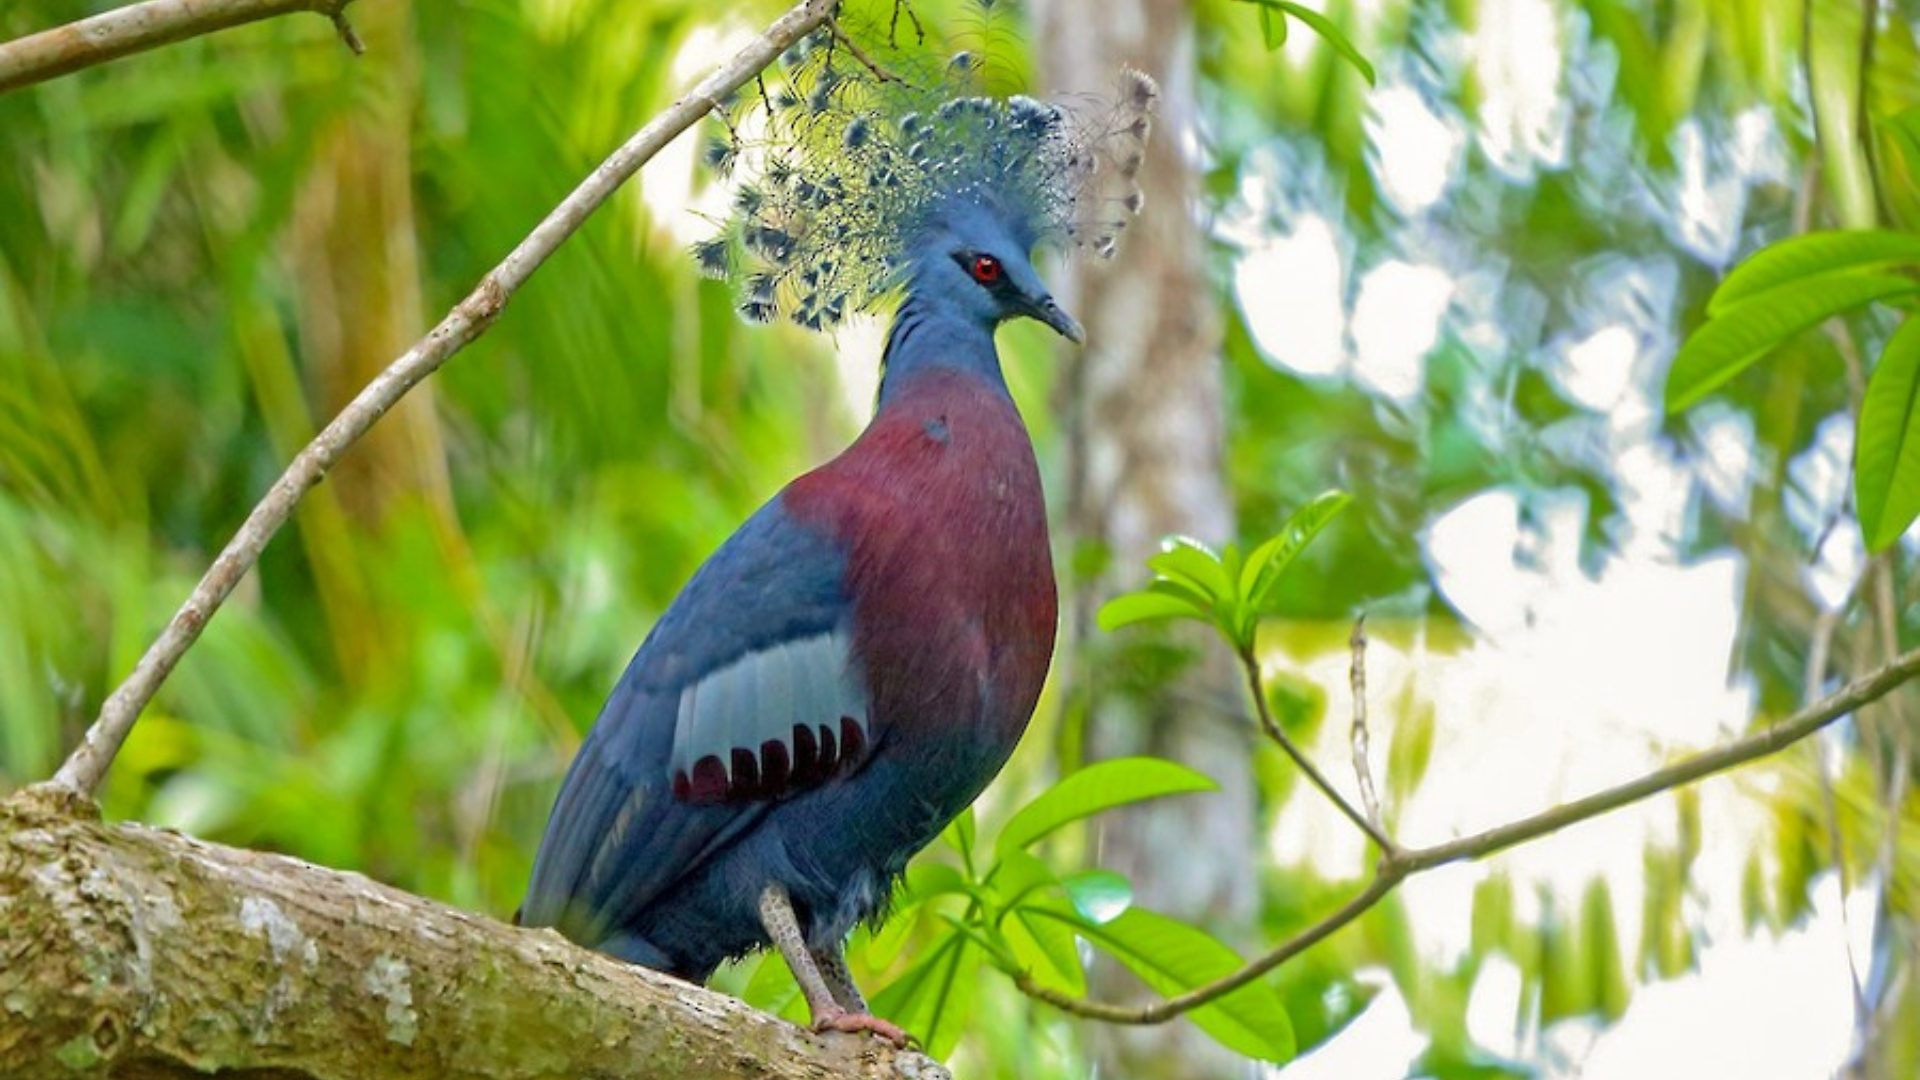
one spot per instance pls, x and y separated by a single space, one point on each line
851 1022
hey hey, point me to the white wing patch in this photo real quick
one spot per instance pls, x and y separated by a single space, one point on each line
783 717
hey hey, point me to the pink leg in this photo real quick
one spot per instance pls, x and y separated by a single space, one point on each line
845 1011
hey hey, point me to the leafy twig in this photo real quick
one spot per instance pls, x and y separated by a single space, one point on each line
139 27
1398 866
468 320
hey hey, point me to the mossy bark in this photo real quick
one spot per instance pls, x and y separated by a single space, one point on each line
127 951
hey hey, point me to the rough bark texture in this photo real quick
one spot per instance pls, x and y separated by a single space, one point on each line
1145 424
127 951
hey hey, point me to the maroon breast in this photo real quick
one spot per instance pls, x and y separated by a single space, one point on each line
940 508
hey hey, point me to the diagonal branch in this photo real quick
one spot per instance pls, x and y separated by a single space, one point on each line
468 320
1278 734
111 35
1396 867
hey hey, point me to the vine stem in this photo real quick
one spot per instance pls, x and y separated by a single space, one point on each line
84 768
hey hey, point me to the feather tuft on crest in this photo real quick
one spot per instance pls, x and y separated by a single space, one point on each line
841 170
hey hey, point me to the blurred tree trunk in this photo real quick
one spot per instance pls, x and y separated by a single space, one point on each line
353 249
1144 423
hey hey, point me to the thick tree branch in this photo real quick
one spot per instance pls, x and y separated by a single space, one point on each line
127 951
1396 867
136 28
83 770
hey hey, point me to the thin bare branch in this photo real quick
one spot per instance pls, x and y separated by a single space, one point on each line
124 31
1357 677
1869 688
893 26
1159 1012
1397 867
1273 730
83 770
852 46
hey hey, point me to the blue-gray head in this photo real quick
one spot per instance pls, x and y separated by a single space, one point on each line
862 189
972 260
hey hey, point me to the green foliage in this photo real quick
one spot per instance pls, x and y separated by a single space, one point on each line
1886 487
1005 908
1746 330
1809 257
1100 786
1788 287
1901 137
1273 30
1225 589
1171 956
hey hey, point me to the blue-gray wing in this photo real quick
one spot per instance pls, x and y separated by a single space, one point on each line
746 691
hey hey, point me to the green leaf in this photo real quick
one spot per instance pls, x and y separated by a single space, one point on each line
885 945
1260 578
772 989
1492 919
1100 896
1140 607
926 880
1728 343
986 938
1900 165
1018 878
1409 750
1044 949
1886 471
1602 947
1187 560
1904 128
1181 590
1231 560
1172 957
1097 787
933 997
1812 255
1273 28
1566 978
1047 946
960 834
1328 32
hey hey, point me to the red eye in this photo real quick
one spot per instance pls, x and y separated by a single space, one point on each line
986 269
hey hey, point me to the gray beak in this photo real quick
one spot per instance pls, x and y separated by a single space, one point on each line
1068 327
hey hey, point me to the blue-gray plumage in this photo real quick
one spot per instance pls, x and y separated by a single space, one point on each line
851 667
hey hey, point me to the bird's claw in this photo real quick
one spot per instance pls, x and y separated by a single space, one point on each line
853 1022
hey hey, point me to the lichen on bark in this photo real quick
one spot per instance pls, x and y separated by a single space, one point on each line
127 951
